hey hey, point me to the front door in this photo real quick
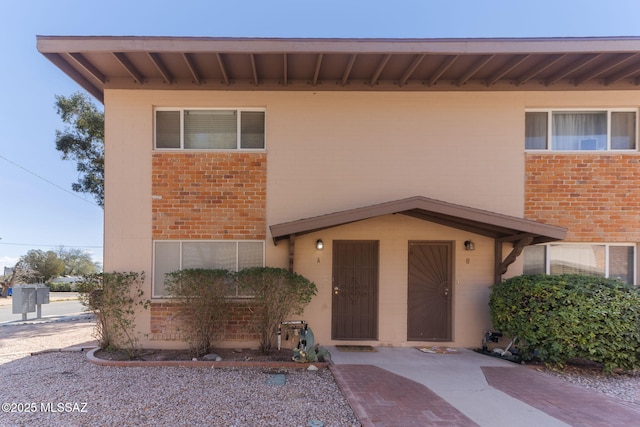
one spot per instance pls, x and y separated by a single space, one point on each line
354 312
430 288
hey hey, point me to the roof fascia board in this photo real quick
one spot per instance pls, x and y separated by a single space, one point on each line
280 231
56 44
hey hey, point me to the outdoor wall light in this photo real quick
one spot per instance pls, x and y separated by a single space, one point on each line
469 246
319 244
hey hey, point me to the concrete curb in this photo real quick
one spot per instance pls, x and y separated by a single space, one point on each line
91 358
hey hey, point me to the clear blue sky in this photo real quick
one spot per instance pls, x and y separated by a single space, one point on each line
35 213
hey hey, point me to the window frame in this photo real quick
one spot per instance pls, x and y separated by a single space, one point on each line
181 242
608 111
182 110
547 257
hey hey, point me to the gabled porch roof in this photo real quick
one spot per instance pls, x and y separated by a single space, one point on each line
498 226
502 228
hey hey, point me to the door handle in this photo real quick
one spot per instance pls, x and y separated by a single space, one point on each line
336 290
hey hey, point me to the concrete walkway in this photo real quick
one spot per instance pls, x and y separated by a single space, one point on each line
404 387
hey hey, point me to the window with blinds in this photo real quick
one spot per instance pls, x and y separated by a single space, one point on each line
212 129
599 130
174 255
615 261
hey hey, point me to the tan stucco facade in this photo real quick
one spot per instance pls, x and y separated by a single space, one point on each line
332 151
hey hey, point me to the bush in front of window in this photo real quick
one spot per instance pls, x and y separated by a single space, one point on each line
561 317
200 298
278 294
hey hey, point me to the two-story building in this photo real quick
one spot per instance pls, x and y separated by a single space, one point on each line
404 177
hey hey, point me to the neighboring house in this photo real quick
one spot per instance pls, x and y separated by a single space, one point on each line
403 177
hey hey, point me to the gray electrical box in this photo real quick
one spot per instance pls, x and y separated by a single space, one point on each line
29 298
42 295
24 299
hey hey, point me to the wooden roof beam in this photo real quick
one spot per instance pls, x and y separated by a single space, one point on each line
474 69
316 72
192 68
157 62
517 60
441 69
254 70
619 60
539 68
128 66
626 72
575 66
379 68
88 67
223 69
285 70
64 65
347 70
409 71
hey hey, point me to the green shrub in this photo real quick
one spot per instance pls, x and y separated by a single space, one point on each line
113 298
560 317
278 293
200 296
62 286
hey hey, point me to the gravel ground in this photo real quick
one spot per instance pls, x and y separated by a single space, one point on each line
63 389
163 396
625 387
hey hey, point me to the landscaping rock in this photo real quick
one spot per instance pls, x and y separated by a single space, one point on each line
212 357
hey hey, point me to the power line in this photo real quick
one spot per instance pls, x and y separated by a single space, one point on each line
48 182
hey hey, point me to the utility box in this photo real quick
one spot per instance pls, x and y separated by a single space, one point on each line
29 298
42 295
24 299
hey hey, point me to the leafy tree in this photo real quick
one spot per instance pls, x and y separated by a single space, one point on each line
83 142
76 262
19 273
43 265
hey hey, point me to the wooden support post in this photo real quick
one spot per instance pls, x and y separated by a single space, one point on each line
503 266
292 246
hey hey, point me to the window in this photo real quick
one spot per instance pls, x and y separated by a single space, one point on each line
198 129
581 130
606 260
174 255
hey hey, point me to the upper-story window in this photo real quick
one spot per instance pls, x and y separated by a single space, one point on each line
209 129
581 130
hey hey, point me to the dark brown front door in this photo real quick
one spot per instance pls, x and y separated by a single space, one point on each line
354 309
430 288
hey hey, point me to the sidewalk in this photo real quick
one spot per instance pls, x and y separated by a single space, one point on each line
405 387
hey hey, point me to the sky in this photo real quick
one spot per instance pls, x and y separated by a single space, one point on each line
38 209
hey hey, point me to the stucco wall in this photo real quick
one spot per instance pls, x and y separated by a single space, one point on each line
328 152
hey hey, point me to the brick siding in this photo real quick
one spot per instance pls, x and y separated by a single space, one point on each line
595 196
209 196
166 324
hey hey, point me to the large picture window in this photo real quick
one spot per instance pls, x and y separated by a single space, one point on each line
606 260
174 255
598 130
200 129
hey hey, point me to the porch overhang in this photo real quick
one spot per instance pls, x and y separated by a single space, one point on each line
502 228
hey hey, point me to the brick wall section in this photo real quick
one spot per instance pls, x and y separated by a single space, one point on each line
595 196
209 196
166 324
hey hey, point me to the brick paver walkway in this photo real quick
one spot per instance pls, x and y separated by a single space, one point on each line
564 401
382 399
